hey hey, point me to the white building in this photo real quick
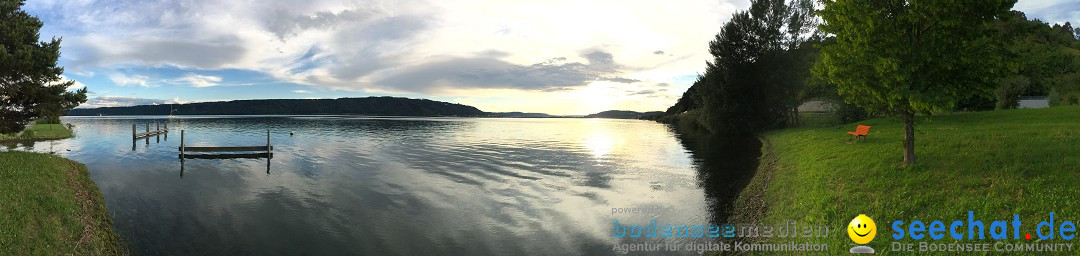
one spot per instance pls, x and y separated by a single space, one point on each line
1034 102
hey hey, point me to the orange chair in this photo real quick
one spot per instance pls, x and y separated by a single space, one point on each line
859 134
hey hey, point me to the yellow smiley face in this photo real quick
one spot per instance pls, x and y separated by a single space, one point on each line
861 229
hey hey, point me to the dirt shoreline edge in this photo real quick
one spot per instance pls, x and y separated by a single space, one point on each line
94 215
751 205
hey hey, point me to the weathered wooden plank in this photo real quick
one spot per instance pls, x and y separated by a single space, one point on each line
226 156
225 149
151 133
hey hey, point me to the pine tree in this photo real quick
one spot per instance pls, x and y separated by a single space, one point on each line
30 82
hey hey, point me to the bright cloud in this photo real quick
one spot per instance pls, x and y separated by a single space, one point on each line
123 80
123 101
175 100
118 101
75 84
493 51
200 80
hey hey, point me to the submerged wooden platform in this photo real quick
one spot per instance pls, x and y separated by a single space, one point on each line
227 149
233 152
238 151
228 156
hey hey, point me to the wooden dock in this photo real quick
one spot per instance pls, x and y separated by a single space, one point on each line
234 151
157 131
230 156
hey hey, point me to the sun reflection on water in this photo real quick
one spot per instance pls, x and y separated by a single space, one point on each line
599 144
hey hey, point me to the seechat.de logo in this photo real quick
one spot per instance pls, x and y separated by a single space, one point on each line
862 230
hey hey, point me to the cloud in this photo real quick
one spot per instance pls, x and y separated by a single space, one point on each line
600 58
176 100
485 72
77 85
1051 11
658 52
388 45
285 23
119 101
661 93
74 86
620 80
124 80
84 73
202 53
124 101
197 80
642 92
301 91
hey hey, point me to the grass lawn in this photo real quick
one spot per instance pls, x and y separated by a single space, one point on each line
996 163
51 207
40 132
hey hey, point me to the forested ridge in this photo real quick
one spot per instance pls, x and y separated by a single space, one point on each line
375 106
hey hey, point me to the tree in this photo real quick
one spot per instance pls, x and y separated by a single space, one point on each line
760 61
1008 94
908 57
1065 30
30 82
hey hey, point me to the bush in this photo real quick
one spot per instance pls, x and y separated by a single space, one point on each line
977 103
1008 94
848 113
49 120
27 134
1065 90
692 118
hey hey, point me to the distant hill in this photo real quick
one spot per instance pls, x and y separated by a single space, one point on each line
626 114
375 106
518 115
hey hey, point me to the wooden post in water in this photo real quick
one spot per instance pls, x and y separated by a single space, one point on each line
157 127
147 127
181 154
133 134
268 154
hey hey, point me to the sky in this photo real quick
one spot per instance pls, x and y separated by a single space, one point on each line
549 56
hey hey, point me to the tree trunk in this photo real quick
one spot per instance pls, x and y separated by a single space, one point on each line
794 117
909 137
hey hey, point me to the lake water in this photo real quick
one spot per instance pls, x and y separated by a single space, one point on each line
401 186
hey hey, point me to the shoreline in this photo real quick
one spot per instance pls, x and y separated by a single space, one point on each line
750 205
809 175
53 207
39 132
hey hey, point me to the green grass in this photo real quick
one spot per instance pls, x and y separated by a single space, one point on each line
51 131
817 119
997 164
40 132
51 207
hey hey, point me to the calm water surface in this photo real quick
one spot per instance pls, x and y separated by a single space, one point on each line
395 186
